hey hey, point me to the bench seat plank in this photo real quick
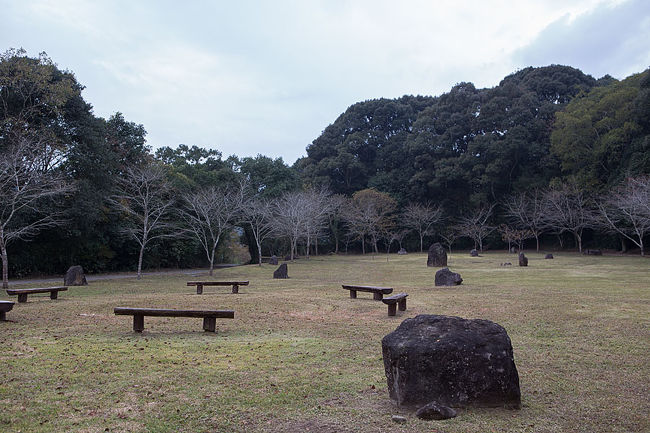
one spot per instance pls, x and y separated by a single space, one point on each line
165 312
22 293
199 285
377 292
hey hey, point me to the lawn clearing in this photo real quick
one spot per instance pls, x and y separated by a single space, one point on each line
301 355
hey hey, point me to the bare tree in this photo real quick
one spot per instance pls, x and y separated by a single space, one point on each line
143 195
626 210
368 214
476 226
28 179
449 236
317 209
568 209
335 216
208 214
257 213
421 218
289 218
527 212
514 235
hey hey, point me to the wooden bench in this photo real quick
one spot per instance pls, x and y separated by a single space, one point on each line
199 285
22 293
377 292
398 300
209 316
4 307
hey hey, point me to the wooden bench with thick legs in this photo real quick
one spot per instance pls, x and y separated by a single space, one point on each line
199 285
5 306
22 293
377 292
398 300
209 316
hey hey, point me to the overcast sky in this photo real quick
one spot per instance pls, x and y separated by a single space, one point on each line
249 77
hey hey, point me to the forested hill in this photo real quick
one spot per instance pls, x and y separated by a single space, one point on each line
471 147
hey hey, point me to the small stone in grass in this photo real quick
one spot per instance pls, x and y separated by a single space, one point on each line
399 419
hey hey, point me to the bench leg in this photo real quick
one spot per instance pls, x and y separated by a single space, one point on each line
138 323
210 324
402 304
3 316
377 296
54 294
199 289
353 294
392 309
22 297
235 288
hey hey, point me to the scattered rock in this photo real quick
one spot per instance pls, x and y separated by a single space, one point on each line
75 277
437 256
506 264
399 419
444 277
281 272
513 250
436 411
593 253
523 260
273 260
473 253
548 256
402 251
450 360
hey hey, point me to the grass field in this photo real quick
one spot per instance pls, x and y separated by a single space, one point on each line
302 356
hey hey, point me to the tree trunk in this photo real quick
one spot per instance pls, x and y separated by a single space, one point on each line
537 241
363 246
259 253
421 243
212 262
5 265
624 246
578 241
140 261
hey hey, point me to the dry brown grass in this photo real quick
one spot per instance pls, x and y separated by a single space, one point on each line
301 356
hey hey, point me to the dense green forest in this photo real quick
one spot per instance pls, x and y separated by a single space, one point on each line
68 178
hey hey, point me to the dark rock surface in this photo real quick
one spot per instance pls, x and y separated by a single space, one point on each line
281 272
273 260
437 256
548 256
452 361
444 277
473 253
435 411
75 277
523 260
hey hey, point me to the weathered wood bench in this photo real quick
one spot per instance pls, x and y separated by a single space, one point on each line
22 293
5 306
209 316
398 300
377 292
199 285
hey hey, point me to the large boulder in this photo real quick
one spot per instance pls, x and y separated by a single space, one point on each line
437 256
548 256
473 253
75 277
273 260
523 260
444 277
402 251
451 361
281 272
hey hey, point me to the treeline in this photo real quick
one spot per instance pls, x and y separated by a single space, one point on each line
74 186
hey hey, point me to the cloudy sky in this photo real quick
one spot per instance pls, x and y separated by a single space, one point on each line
250 77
